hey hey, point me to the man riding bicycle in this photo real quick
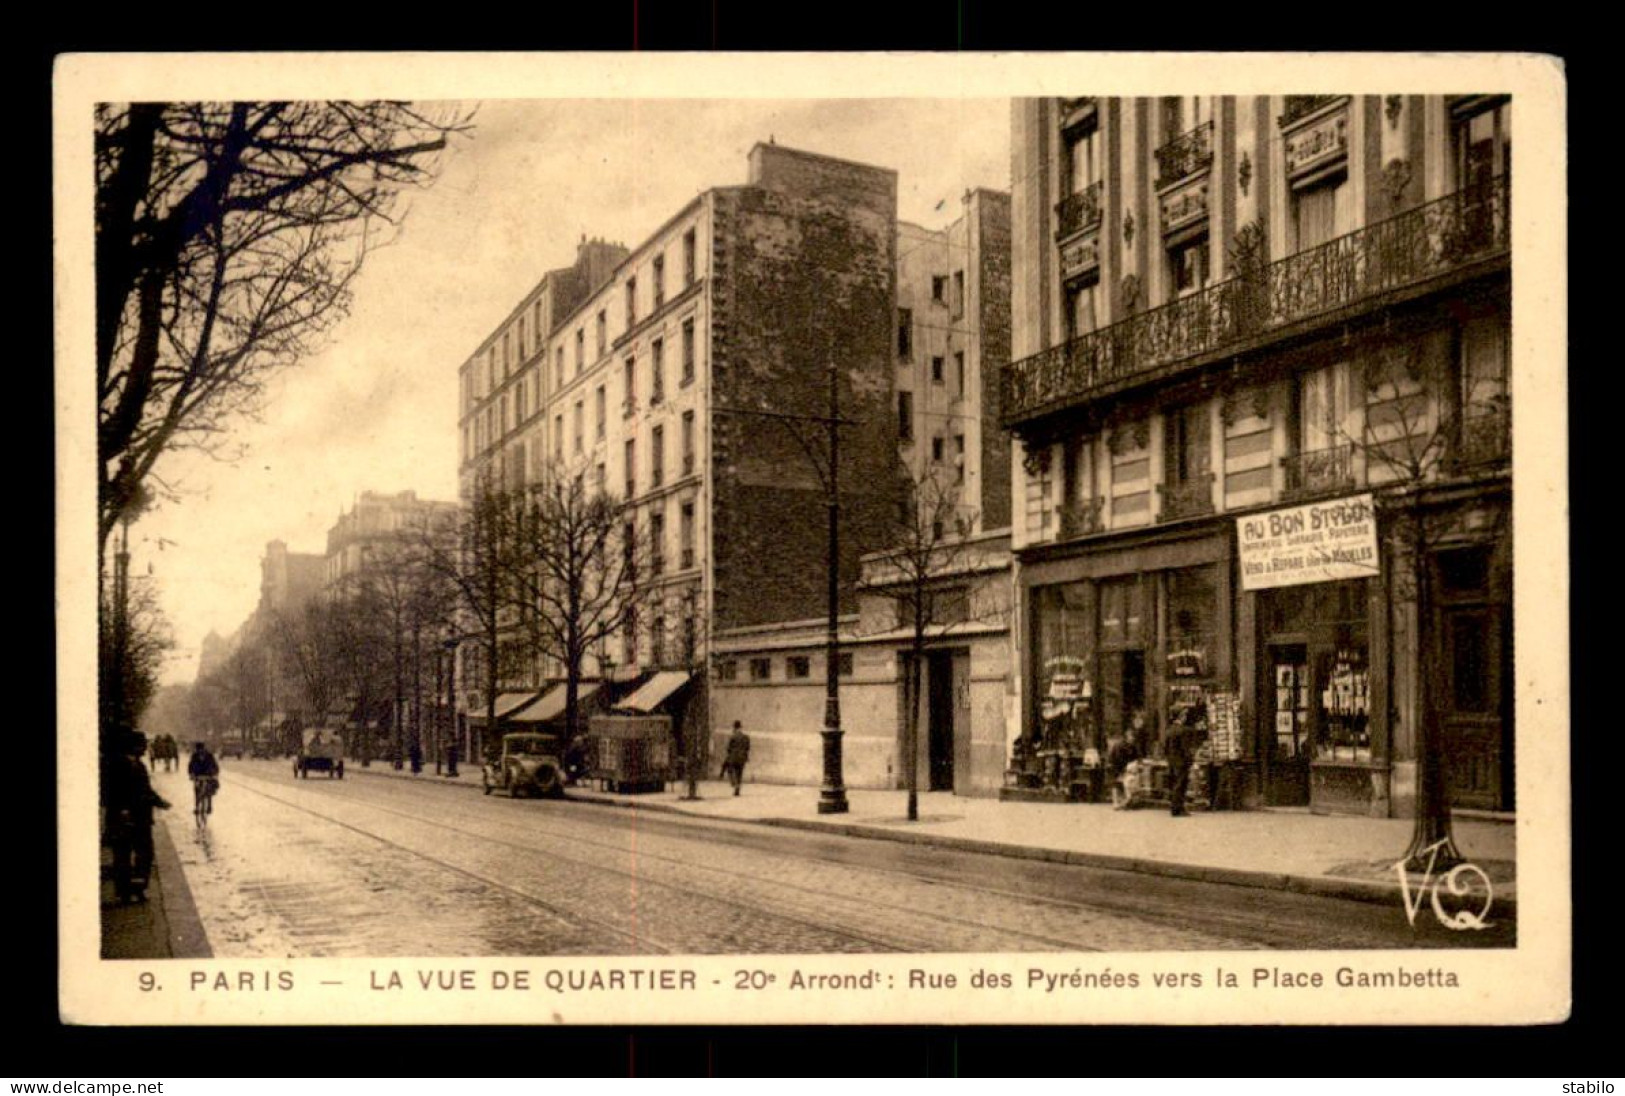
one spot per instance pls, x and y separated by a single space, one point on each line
205 773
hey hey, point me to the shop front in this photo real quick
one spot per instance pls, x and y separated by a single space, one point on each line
1128 634
1313 621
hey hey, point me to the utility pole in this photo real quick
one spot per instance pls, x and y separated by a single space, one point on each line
832 795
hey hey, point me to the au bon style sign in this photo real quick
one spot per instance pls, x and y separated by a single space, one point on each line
1315 542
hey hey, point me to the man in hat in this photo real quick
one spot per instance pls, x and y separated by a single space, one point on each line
130 805
1184 739
733 764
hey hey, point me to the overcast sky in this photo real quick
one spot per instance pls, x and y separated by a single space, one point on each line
377 409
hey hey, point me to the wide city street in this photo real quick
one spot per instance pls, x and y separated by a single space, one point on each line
373 866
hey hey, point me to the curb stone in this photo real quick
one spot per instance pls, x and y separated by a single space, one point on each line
1327 886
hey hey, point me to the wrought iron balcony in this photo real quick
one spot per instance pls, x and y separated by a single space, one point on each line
1319 472
1483 437
1079 211
1185 155
1189 499
1435 239
1081 518
1298 106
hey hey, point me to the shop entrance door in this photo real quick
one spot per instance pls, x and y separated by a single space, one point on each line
1286 733
1472 716
1475 711
939 667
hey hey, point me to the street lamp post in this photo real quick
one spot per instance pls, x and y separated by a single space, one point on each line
832 795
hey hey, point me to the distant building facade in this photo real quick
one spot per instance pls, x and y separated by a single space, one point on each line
374 522
1252 334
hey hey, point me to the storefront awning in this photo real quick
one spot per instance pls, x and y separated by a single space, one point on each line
652 693
551 704
508 703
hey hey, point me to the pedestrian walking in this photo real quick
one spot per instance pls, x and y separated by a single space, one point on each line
733 763
1184 739
131 801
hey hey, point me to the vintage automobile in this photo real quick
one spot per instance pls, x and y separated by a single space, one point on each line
229 746
321 751
531 764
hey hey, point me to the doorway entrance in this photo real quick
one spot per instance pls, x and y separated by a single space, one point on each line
939 666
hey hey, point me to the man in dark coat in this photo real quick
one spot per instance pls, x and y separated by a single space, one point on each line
733 764
1184 739
130 803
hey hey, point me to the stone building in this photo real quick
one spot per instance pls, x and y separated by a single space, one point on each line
1257 342
668 383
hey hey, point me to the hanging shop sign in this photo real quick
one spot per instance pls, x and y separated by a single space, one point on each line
1315 542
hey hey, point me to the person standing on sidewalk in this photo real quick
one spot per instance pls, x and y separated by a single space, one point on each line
1183 740
130 807
733 764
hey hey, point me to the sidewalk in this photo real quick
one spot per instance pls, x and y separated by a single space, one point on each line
1333 855
166 925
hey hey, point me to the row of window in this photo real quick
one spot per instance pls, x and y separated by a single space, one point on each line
662 650
1402 411
796 667
657 538
526 336
1320 204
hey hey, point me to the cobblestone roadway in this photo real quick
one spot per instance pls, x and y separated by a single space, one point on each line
382 867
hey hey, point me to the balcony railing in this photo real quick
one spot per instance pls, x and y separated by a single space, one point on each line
1185 155
1422 243
1319 472
1297 106
1483 437
1189 499
1081 518
1079 211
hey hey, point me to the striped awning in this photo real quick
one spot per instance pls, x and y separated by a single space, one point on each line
652 693
551 704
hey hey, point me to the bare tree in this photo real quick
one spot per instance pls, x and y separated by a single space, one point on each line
1417 432
581 567
412 599
227 239
472 557
132 654
928 573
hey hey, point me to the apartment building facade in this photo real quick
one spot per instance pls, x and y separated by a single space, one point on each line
1260 404
686 381
372 525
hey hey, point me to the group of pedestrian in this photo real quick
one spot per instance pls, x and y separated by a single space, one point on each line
1180 745
164 748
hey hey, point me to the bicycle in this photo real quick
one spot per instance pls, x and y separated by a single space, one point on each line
203 789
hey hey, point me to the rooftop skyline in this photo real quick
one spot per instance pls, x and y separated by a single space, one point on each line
376 410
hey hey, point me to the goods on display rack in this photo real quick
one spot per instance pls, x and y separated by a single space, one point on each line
1344 704
1224 726
1061 758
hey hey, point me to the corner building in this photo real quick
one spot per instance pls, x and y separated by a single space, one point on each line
1246 332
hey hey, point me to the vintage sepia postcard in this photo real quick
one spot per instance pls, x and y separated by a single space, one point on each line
866 538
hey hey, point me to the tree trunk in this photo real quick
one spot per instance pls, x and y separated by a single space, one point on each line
911 724
1433 844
